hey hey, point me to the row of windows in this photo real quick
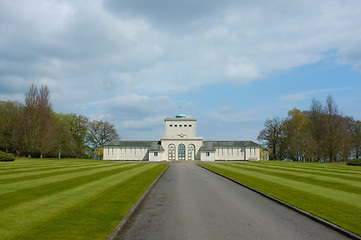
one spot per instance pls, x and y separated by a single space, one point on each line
125 151
234 151
180 125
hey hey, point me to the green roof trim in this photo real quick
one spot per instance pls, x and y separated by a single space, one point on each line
212 145
156 147
180 119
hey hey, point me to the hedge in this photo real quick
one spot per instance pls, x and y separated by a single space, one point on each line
354 162
6 157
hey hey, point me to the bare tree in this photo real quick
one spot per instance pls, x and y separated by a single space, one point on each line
101 132
337 139
317 127
273 137
29 123
47 121
36 121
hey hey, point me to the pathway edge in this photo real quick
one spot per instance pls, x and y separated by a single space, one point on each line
307 214
130 213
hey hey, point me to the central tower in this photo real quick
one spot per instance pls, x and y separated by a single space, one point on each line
180 127
180 141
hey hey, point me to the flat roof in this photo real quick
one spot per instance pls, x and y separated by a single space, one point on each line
180 119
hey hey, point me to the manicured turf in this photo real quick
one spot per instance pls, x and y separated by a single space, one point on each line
330 191
69 199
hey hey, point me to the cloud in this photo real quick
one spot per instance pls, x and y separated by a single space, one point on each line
120 55
227 41
171 15
243 72
309 94
228 114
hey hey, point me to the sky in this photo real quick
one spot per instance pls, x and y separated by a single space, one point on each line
231 64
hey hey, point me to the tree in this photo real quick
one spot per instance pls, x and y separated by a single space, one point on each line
99 152
9 117
273 137
338 138
65 143
35 129
100 133
36 122
299 142
77 125
356 138
317 128
47 121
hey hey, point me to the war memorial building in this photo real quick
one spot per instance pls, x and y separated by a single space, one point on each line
181 143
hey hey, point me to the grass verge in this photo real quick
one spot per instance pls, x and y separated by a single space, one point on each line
329 191
69 199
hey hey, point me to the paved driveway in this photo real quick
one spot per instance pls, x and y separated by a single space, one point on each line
190 203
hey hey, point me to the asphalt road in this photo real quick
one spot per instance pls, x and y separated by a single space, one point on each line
190 203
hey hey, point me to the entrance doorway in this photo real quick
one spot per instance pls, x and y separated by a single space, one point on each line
171 152
181 152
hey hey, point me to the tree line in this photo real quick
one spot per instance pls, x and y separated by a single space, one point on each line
320 134
33 129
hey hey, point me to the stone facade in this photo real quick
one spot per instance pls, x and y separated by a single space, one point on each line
181 143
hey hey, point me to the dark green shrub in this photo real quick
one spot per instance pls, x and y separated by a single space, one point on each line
354 162
6 157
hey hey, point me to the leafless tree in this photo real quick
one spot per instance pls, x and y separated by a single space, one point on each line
102 132
272 137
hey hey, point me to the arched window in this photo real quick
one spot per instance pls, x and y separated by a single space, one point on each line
181 152
171 152
191 152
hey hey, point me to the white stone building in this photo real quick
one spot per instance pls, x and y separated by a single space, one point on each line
181 143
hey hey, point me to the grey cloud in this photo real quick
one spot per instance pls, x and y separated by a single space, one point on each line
136 116
94 51
171 14
240 41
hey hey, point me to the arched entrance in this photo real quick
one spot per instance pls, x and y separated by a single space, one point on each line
181 152
191 152
171 152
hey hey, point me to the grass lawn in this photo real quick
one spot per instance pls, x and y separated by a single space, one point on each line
69 199
330 191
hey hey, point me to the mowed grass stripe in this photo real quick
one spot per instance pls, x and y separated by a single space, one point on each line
97 217
49 166
351 175
18 186
32 212
331 168
322 180
29 169
335 194
45 173
343 214
29 163
325 170
31 193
